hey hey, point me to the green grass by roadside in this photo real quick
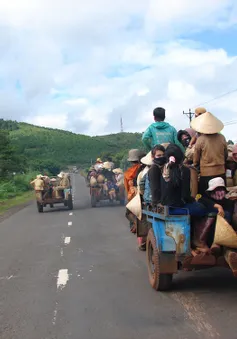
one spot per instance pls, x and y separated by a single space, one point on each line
7 204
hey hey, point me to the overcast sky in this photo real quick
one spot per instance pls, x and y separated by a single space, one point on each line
79 65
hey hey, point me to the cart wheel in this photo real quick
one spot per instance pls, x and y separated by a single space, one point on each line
93 200
40 207
70 202
158 281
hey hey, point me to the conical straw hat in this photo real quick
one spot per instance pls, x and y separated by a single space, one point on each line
165 145
207 123
224 234
135 206
107 165
147 160
118 171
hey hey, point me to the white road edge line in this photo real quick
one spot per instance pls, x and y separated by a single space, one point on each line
69 223
67 240
63 278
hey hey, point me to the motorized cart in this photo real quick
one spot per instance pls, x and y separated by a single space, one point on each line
168 247
52 197
98 194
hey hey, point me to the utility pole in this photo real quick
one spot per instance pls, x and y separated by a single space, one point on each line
121 124
189 114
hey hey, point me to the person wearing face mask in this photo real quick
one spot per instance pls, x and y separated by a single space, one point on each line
176 183
154 174
185 137
215 199
216 202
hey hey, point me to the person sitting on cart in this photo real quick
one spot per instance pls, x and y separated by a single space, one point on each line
172 188
112 189
111 163
171 185
98 165
216 201
160 132
63 184
158 160
130 175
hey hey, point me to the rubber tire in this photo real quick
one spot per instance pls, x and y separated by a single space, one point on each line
160 282
93 201
40 207
70 203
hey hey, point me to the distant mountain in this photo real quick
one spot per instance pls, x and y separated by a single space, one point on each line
48 145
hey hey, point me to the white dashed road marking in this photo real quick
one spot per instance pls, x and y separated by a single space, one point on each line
70 213
63 278
67 240
69 223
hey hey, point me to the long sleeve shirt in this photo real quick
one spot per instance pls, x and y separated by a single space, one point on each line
211 154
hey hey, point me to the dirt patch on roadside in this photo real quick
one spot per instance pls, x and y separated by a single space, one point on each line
15 209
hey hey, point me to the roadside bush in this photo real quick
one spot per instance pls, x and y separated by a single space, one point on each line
16 185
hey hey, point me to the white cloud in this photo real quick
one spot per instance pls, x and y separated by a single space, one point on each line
99 59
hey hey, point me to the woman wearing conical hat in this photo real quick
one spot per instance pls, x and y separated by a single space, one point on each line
210 149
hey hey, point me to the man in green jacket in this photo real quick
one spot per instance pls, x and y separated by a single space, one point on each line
160 132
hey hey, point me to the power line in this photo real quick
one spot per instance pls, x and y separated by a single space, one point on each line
230 123
215 98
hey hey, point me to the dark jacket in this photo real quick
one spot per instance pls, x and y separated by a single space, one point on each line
163 192
208 202
154 175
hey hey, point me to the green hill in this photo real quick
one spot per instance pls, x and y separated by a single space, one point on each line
44 147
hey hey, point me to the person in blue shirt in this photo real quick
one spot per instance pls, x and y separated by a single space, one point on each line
160 132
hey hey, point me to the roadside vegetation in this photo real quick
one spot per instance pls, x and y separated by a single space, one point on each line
27 150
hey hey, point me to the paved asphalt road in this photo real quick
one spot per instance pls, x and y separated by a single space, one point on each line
80 276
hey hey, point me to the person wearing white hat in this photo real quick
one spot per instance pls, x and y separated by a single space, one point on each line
210 149
216 201
98 165
63 184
